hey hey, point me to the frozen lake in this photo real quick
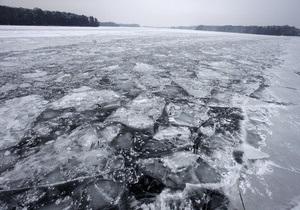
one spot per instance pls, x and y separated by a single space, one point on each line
141 118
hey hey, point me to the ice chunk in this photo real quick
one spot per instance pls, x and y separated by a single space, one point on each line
254 154
7 160
157 148
63 78
181 134
205 173
173 91
25 85
16 116
208 130
193 87
187 114
146 187
222 99
208 73
145 68
38 75
100 194
177 136
7 87
85 98
82 89
177 170
125 85
85 152
179 161
141 113
110 132
123 141
88 139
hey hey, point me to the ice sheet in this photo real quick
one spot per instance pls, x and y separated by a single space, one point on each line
181 118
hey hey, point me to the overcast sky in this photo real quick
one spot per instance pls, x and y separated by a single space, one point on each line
177 12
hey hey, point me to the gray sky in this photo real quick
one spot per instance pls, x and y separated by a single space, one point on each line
177 12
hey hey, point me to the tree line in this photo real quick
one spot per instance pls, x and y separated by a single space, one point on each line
265 30
112 24
36 16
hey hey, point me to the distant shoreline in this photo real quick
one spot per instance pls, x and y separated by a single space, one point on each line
259 30
38 17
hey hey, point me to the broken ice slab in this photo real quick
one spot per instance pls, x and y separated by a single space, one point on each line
166 141
202 198
63 78
8 87
176 135
223 99
205 173
246 87
99 194
7 160
148 77
195 88
141 113
16 116
146 68
85 152
63 202
208 130
156 148
179 161
207 73
254 154
124 84
85 193
152 82
187 114
85 98
172 91
123 141
146 187
178 169
38 75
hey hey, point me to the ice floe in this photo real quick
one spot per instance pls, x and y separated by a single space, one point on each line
85 98
141 113
16 115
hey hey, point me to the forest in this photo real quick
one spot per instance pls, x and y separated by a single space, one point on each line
112 24
38 17
265 30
